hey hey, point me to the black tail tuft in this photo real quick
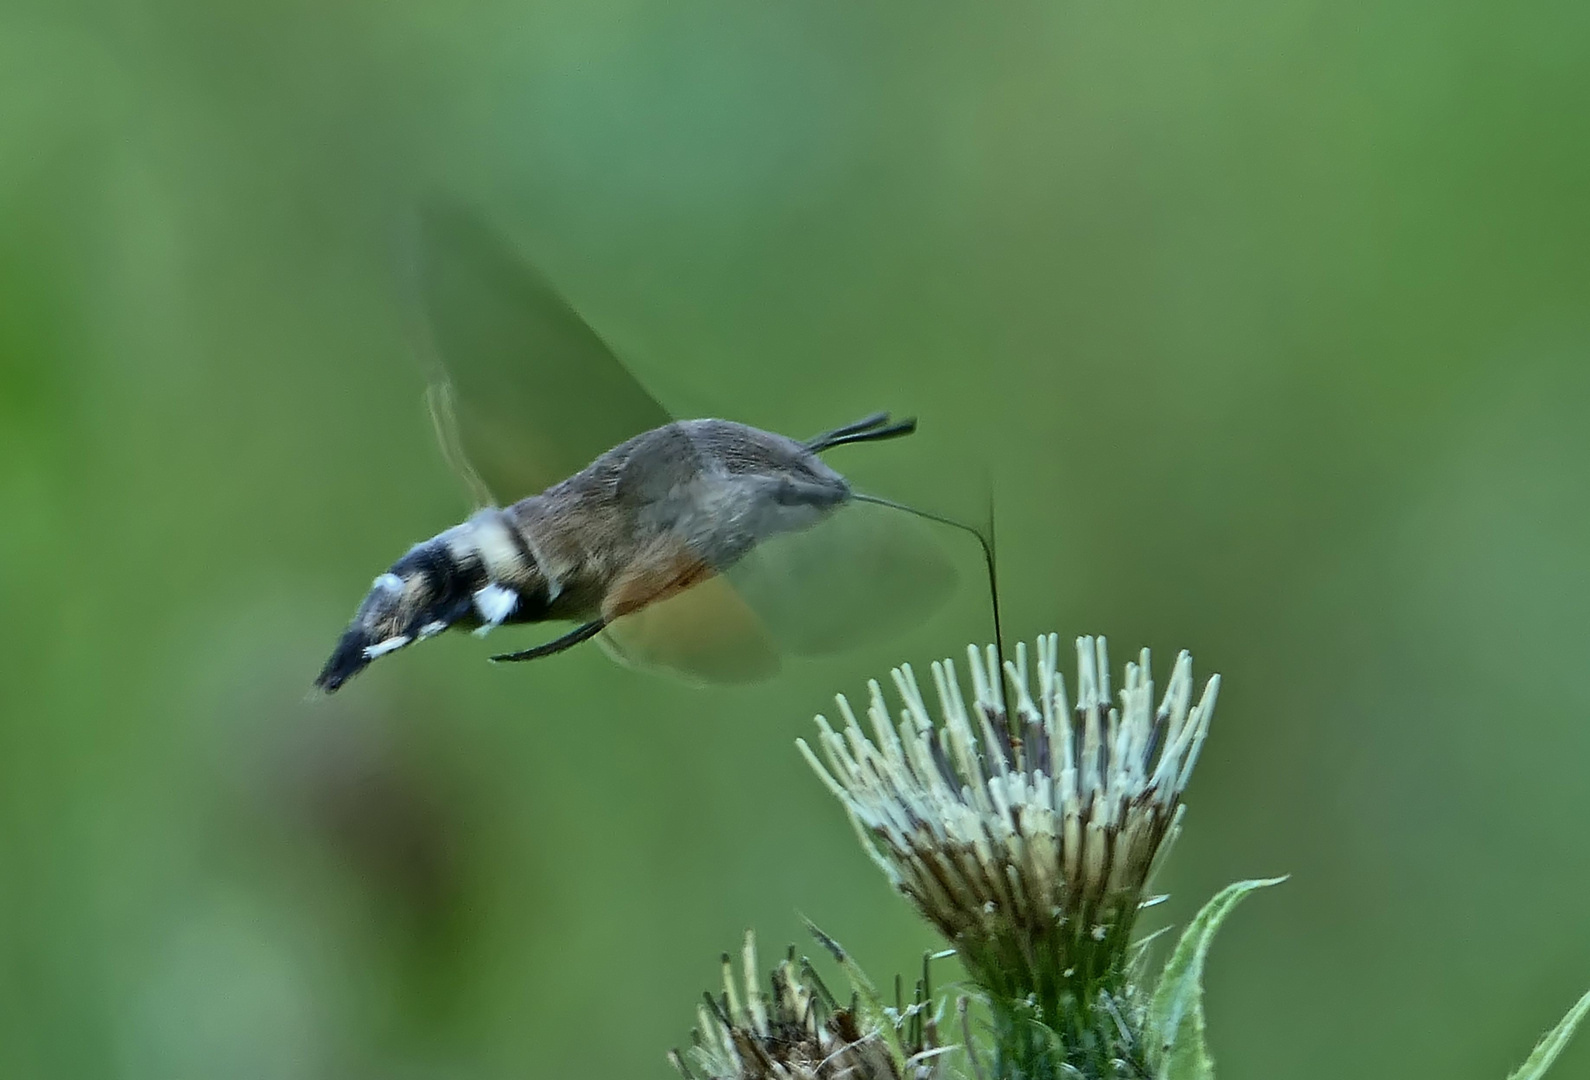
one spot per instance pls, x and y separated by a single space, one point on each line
347 660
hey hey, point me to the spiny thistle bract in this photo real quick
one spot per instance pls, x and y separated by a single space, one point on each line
796 1030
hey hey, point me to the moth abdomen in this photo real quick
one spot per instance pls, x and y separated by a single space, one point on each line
478 574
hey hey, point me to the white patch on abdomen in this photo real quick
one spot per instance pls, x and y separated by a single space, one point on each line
487 536
381 648
492 537
493 603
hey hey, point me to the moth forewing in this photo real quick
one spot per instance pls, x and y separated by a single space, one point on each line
539 394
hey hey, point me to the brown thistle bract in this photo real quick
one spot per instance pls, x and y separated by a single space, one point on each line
796 1030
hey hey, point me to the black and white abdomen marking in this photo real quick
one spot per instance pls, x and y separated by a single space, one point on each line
480 573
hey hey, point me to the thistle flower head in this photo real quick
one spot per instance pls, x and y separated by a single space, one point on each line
796 1030
1025 830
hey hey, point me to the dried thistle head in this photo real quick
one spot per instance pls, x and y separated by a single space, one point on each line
1027 832
794 1029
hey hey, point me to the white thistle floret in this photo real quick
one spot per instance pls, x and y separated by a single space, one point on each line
991 820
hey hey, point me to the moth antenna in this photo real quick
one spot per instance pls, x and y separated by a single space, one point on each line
866 423
984 542
868 429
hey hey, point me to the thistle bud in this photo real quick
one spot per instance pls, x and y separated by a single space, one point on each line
794 1029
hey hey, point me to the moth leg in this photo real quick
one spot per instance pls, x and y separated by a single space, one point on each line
556 645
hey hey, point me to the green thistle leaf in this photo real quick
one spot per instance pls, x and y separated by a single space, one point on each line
1175 1028
1548 1048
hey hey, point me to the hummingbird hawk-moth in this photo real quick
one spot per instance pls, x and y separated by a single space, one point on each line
646 546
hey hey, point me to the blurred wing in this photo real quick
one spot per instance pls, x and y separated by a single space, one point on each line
524 393
705 634
865 574
441 402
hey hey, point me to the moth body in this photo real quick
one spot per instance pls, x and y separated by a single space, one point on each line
647 519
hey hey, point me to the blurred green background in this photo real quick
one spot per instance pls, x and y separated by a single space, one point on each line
1269 320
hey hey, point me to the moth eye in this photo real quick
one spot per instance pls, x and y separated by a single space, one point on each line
788 493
